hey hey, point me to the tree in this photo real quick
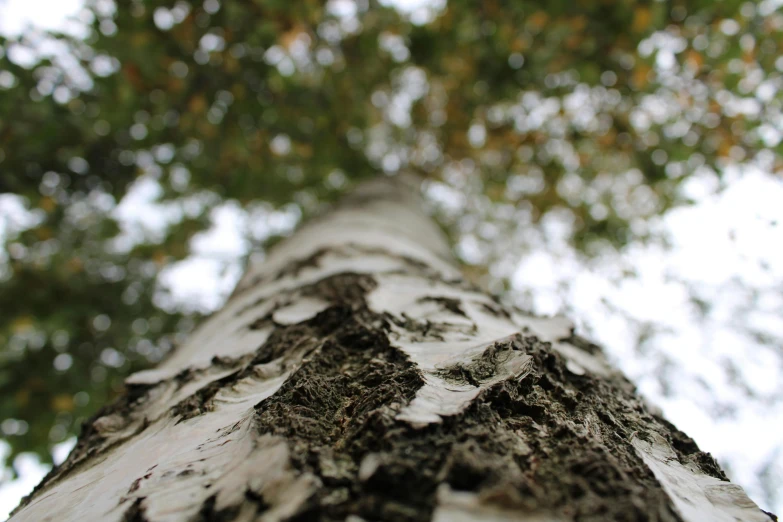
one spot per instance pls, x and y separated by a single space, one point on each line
355 374
596 115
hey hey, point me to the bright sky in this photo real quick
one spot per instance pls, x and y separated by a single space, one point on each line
719 246
18 15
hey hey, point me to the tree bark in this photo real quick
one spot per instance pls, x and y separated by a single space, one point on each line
355 375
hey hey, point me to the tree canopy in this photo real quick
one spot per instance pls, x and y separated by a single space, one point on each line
596 111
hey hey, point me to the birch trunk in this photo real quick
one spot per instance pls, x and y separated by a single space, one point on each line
355 375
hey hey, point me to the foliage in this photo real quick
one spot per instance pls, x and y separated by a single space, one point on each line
598 110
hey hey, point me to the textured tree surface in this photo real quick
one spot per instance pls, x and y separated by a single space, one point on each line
355 375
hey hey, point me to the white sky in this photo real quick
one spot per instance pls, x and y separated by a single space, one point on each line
704 255
18 15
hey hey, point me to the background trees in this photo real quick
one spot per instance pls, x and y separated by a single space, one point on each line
554 136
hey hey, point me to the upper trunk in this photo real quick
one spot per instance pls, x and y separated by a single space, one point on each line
355 373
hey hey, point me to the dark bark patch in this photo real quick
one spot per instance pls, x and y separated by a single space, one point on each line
339 405
338 388
480 369
577 457
208 512
201 401
346 288
494 309
296 266
135 485
449 304
258 500
135 512
418 330
261 323
282 341
583 344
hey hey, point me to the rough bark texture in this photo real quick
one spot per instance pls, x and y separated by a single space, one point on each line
354 375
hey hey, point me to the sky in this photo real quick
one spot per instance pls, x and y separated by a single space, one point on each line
724 246
17 15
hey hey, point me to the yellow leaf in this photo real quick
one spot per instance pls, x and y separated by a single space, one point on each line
47 204
518 45
230 64
22 324
197 103
62 402
573 41
239 90
304 150
578 23
641 19
289 37
44 233
538 19
640 75
495 192
22 397
159 257
608 139
724 149
174 84
74 265
207 129
139 39
694 59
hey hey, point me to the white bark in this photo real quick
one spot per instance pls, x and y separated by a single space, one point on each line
169 467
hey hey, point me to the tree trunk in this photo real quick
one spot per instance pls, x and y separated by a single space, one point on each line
355 375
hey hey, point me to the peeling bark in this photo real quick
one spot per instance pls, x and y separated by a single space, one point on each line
354 375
